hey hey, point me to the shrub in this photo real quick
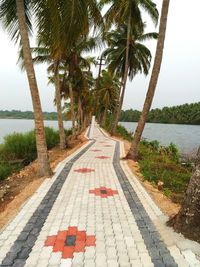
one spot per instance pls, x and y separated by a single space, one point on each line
52 137
121 131
20 146
23 145
5 170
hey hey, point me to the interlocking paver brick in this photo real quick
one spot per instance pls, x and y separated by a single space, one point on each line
90 214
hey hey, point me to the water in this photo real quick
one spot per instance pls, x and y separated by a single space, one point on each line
186 137
22 126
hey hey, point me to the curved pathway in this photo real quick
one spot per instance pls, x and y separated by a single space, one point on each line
93 212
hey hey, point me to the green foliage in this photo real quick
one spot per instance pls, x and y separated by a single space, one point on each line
22 146
183 114
5 170
122 131
159 163
52 137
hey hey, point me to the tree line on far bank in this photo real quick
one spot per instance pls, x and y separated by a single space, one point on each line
181 114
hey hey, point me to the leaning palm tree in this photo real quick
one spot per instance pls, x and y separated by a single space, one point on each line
139 58
133 152
43 55
15 16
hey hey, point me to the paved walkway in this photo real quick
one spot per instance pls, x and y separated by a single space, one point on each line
93 212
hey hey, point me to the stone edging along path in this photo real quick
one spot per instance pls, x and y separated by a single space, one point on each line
88 214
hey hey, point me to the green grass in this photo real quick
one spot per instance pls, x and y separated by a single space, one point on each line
159 163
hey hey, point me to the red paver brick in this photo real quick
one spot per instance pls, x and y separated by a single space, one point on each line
90 241
84 170
68 252
50 241
108 192
102 157
72 230
80 246
59 245
62 235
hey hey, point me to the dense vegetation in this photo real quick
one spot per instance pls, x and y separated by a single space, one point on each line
19 149
159 163
183 114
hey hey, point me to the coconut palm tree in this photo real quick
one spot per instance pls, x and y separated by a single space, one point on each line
139 58
108 94
133 152
128 12
15 16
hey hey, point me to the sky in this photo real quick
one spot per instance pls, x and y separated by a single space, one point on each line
179 80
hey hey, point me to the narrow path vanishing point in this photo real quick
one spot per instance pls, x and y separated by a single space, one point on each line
90 214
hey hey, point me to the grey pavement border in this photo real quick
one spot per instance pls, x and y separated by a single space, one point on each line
158 251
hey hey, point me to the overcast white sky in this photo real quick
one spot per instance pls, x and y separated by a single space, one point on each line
179 80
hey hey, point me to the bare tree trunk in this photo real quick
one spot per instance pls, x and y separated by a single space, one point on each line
59 107
187 221
133 152
72 108
43 162
116 119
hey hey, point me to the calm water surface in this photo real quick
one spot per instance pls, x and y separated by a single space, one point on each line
10 126
186 137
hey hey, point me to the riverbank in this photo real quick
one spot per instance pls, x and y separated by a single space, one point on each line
18 187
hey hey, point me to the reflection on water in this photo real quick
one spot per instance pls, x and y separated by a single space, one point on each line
186 137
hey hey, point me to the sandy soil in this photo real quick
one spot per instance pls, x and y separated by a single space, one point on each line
21 186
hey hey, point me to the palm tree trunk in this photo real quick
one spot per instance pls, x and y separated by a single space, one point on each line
72 108
59 107
133 152
188 218
42 153
116 119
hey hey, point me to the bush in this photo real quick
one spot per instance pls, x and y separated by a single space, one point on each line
160 164
121 131
20 146
5 170
52 137
23 145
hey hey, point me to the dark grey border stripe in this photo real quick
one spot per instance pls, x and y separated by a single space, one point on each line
23 245
158 251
